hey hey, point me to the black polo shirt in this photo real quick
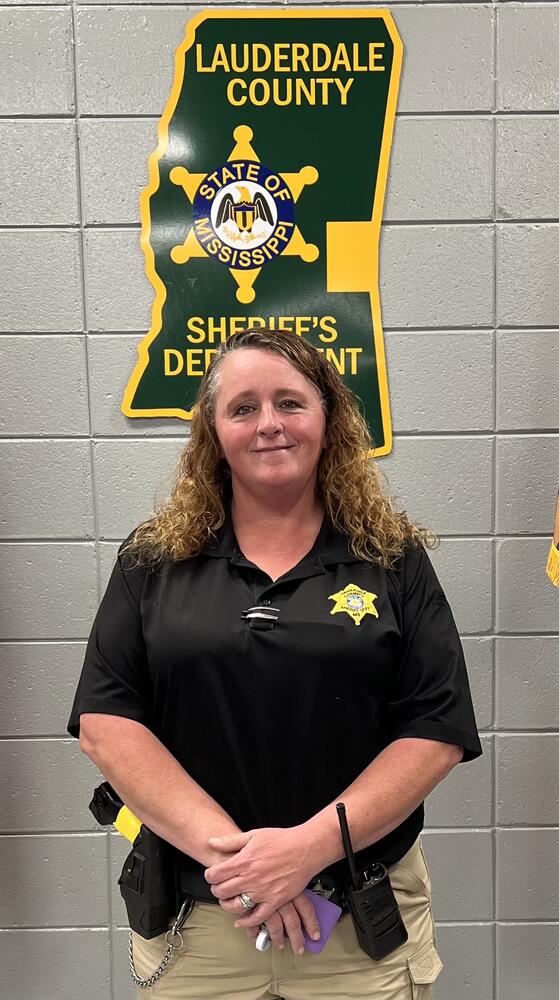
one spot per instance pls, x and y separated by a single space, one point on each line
275 722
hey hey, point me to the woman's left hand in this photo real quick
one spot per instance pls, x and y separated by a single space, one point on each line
271 865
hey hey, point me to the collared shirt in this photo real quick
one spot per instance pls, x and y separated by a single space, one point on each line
275 722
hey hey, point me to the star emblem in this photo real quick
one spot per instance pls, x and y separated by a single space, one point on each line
355 602
241 216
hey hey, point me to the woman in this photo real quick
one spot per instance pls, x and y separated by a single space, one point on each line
274 641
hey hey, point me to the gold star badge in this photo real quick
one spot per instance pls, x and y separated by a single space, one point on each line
355 602
286 239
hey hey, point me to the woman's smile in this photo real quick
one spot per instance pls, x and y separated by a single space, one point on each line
280 447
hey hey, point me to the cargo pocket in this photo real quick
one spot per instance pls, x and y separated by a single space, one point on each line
424 967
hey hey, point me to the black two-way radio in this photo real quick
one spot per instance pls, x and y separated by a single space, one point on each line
372 903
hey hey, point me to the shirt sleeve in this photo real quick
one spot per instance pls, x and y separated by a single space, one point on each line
431 696
115 677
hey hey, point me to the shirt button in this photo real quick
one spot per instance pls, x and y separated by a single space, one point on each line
265 602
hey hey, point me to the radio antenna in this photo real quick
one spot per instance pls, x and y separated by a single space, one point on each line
340 809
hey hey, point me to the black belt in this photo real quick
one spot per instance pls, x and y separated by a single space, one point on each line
191 882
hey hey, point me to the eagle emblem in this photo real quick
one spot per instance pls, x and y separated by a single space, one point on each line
244 212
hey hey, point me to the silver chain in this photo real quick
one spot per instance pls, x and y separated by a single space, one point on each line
174 941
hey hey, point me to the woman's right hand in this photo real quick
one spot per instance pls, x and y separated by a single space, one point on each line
291 920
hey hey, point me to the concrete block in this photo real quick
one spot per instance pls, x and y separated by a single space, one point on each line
527 176
35 375
436 276
124 987
465 797
527 874
131 478
56 881
47 491
38 185
528 780
440 381
106 555
527 290
36 68
526 382
461 891
126 58
478 653
55 964
47 590
57 805
118 294
111 363
527 468
38 684
444 483
468 954
441 168
527 58
115 168
526 601
40 281
527 682
464 568
447 58
528 961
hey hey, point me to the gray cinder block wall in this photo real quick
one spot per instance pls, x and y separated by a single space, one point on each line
471 311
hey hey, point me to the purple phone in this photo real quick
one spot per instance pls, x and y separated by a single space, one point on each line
328 915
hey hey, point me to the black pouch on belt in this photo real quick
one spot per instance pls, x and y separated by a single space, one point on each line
146 882
145 885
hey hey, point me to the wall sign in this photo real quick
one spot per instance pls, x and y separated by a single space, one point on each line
265 198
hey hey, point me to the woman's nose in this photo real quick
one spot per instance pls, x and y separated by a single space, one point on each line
269 421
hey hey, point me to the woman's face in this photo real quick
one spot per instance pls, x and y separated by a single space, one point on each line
269 420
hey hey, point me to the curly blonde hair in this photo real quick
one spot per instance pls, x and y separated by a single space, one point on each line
349 484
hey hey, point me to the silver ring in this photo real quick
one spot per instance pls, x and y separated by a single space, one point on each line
247 902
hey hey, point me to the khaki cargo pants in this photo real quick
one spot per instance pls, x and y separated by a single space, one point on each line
219 961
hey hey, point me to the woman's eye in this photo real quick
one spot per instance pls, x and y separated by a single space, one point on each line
243 409
290 403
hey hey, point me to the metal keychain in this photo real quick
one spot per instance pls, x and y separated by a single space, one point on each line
174 941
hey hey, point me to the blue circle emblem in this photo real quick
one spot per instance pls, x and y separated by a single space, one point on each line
244 214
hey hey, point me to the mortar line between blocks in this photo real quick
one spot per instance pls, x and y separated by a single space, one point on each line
90 420
387 223
463 435
73 640
84 307
441 330
494 776
209 4
473 536
153 116
487 735
111 918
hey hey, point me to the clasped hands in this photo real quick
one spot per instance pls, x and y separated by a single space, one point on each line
272 866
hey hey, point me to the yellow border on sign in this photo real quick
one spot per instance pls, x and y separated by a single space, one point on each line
154 180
